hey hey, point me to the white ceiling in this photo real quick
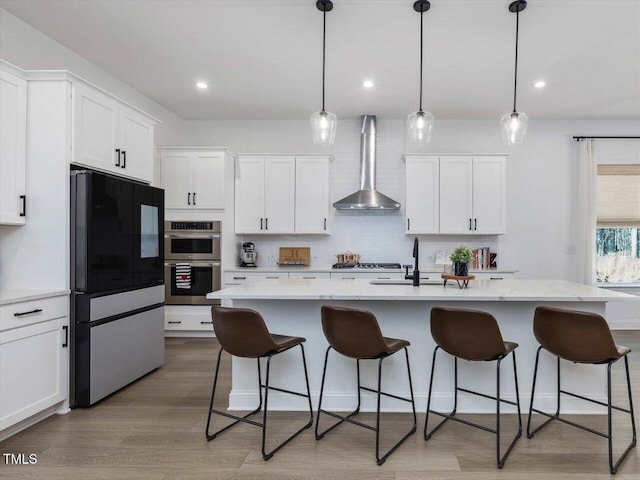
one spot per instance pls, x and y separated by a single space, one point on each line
262 58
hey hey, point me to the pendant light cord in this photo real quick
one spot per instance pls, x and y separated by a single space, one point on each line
324 39
421 55
515 83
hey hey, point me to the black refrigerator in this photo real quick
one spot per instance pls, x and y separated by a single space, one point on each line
117 282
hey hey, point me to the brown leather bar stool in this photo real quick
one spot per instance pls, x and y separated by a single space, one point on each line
580 337
356 334
474 336
243 333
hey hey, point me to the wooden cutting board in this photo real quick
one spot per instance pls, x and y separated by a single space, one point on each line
295 256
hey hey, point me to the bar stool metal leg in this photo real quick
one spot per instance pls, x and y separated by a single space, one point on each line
379 393
613 467
265 455
451 416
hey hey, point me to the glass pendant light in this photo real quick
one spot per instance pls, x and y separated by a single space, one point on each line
419 124
514 125
323 123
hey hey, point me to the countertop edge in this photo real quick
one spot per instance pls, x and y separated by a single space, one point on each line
7 297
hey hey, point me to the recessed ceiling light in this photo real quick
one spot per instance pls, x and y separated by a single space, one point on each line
202 85
367 84
540 84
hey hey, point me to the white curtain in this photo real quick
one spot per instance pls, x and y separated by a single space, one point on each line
587 204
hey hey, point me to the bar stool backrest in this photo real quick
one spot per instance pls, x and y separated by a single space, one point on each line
241 332
467 334
573 335
351 332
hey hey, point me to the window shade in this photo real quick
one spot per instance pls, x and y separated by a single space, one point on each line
618 196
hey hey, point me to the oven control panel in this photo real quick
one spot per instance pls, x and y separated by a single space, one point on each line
184 226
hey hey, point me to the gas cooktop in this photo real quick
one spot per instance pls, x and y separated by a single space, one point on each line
390 266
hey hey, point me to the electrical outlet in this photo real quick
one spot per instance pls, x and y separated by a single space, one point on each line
571 249
314 258
271 258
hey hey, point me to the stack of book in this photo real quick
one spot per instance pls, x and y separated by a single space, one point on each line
483 258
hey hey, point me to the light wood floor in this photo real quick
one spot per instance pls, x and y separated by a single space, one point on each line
154 429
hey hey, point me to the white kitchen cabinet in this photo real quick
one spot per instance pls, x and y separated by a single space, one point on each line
13 149
489 195
193 179
265 195
422 195
136 143
456 195
282 194
312 195
34 359
110 136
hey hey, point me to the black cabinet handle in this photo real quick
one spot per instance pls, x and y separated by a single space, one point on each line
194 198
239 278
124 159
475 222
469 224
118 152
24 205
496 278
180 321
272 278
266 224
205 323
261 224
189 198
408 224
325 223
66 336
20 314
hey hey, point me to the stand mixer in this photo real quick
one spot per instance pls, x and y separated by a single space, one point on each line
248 255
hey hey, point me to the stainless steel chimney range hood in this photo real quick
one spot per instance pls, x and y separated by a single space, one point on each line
367 198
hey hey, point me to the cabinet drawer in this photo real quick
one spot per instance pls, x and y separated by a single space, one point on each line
21 314
309 275
241 278
367 275
493 276
188 322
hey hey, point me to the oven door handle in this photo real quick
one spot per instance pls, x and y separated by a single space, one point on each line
195 235
194 264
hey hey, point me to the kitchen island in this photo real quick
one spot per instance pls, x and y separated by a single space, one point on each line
292 307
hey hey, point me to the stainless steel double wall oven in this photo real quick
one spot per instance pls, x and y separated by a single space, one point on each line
196 244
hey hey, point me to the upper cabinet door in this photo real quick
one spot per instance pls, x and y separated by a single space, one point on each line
423 195
279 199
176 180
13 145
95 130
489 196
250 195
456 207
136 145
312 195
208 179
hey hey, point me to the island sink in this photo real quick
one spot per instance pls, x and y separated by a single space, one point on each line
408 282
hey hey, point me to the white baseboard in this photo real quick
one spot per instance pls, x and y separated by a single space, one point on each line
624 324
188 334
346 402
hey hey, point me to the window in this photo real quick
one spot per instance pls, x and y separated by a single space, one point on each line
618 224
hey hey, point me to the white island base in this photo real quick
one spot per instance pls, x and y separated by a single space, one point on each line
292 307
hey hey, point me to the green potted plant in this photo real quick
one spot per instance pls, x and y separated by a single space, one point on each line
461 256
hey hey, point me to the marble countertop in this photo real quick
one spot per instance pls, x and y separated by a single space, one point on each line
322 269
24 295
479 290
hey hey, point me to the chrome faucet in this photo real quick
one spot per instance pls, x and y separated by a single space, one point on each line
416 273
